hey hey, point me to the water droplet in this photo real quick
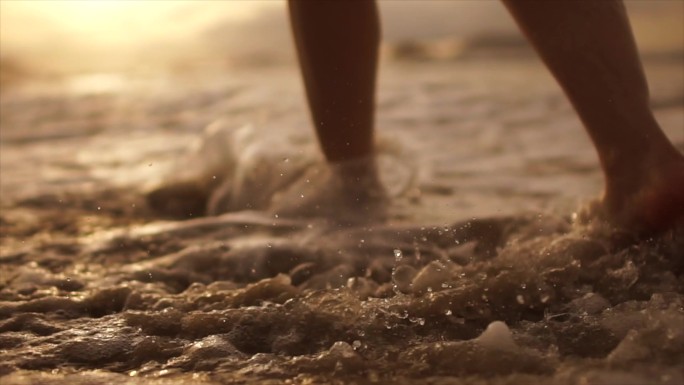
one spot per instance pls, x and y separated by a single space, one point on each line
397 255
418 320
448 312
520 299
356 344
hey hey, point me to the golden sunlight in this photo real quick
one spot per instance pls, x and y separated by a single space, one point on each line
113 35
117 22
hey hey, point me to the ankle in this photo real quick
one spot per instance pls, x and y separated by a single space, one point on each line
650 198
356 170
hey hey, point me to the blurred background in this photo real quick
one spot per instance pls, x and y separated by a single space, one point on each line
60 37
100 95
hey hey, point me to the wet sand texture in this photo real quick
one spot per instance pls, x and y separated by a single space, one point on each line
480 275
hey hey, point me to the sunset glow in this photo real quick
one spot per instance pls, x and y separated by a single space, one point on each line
115 21
60 36
116 35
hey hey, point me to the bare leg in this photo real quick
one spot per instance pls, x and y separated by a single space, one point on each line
337 43
589 48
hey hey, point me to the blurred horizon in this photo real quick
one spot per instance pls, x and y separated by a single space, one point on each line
61 37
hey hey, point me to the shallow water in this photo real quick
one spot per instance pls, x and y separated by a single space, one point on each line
506 286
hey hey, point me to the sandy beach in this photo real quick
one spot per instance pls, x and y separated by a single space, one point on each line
482 273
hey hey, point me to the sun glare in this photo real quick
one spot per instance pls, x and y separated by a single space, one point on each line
120 21
60 36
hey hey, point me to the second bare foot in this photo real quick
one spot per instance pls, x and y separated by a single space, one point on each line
648 201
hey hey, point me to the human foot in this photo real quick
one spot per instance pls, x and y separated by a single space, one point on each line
344 192
649 200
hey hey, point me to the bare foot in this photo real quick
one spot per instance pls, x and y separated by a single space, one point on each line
648 201
346 192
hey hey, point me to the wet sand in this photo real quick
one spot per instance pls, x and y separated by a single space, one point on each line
488 165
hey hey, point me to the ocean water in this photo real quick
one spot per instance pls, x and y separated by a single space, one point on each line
483 269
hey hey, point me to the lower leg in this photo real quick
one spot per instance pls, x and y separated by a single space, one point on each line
590 49
337 44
